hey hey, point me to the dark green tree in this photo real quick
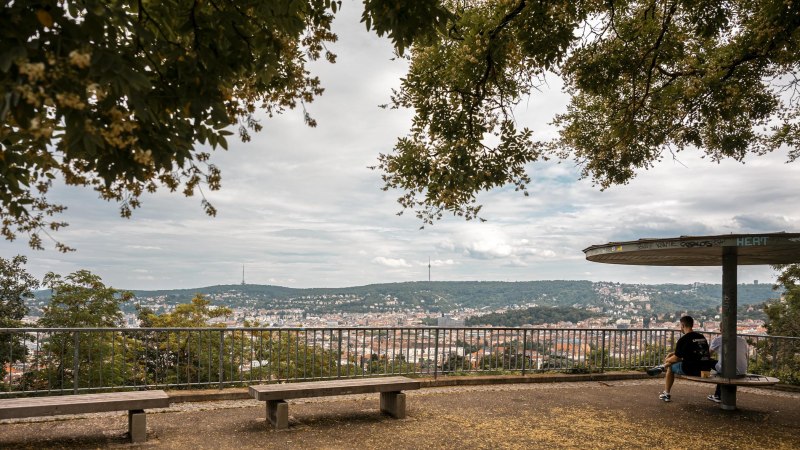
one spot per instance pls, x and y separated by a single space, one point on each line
381 364
647 79
290 355
84 359
16 286
782 358
80 299
189 356
456 363
503 359
784 314
118 95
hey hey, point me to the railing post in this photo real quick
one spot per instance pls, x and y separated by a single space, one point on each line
436 355
672 344
602 351
339 357
75 366
221 347
524 348
774 354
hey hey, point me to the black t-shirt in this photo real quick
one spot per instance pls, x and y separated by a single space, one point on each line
692 348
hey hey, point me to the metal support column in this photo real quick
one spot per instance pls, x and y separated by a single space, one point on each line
729 300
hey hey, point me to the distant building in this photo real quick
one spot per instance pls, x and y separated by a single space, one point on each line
449 322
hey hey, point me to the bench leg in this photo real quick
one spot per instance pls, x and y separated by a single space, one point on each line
137 425
278 413
394 404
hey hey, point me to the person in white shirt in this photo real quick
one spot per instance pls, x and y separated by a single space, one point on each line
741 360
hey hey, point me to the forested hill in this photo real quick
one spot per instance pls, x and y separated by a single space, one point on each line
439 296
537 314
448 296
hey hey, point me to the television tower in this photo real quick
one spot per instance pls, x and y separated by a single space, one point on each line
243 283
429 269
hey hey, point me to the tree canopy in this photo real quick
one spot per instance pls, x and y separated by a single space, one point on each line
198 313
645 78
80 299
783 315
16 286
120 95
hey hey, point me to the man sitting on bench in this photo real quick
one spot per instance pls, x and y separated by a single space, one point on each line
741 360
691 356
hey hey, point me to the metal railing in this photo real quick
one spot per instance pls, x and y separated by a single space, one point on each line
74 360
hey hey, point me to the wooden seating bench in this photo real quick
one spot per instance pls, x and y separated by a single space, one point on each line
749 379
393 401
134 402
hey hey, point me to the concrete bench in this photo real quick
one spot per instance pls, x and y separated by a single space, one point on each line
393 401
749 379
134 402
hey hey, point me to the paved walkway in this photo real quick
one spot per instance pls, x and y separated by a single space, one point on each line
596 414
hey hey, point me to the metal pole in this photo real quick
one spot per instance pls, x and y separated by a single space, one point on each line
436 356
339 358
729 267
75 366
603 352
774 354
524 349
220 369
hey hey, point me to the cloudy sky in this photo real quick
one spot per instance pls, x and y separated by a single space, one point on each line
300 208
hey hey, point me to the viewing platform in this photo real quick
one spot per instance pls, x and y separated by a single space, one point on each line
606 412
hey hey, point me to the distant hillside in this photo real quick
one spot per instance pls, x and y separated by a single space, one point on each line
681 297
533 316
442 296
450 296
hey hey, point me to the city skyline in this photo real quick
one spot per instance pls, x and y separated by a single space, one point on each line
299 206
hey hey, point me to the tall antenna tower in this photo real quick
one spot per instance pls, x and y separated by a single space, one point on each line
243 283
429 269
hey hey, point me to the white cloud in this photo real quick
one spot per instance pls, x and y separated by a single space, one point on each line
391 262
761 223
143 247
439 263
488 249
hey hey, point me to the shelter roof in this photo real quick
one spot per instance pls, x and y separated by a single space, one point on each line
752 249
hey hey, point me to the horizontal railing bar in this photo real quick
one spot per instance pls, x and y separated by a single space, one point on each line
273 329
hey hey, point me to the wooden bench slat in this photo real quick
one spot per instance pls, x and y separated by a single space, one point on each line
18 408
349 381
745 380
339 383
287 391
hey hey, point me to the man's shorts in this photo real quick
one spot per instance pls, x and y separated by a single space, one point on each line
677 368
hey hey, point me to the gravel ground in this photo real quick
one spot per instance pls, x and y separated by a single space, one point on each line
610 414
